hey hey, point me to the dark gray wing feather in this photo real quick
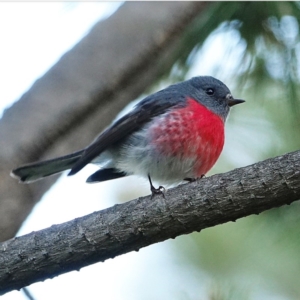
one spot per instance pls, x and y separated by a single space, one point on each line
144 111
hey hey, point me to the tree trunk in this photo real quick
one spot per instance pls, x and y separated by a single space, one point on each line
80 95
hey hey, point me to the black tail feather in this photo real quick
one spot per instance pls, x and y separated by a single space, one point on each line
38 170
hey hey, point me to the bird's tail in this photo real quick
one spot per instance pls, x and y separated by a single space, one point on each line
38 170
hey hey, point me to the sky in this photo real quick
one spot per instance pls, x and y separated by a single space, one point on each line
33 37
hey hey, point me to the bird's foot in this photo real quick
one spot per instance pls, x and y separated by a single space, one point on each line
156 191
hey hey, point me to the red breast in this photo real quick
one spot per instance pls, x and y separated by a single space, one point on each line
190 132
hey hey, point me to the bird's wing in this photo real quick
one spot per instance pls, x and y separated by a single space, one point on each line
143 112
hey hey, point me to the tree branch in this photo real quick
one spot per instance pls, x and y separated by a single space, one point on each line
142 222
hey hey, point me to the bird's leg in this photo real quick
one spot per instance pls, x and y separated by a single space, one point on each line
193 179
156 191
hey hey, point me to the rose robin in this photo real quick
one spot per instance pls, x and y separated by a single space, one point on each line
172 135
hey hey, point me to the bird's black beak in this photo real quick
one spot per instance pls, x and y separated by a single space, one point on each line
233 101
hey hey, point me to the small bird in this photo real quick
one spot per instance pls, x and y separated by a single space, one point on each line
173 135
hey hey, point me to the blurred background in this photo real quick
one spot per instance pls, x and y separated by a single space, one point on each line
253 47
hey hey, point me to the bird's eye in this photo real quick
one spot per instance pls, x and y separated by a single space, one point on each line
210 91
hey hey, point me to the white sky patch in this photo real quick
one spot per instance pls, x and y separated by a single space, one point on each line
34 35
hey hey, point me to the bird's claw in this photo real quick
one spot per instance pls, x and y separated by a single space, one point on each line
158 191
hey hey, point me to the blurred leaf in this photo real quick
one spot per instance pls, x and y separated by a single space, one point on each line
221 291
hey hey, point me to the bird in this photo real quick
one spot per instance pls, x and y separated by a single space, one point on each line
171 136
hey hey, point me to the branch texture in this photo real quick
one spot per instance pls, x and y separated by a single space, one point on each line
142 222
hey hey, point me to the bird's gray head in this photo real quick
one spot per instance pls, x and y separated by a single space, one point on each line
212 93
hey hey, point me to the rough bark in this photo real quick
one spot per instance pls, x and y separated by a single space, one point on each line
80 95
142 222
